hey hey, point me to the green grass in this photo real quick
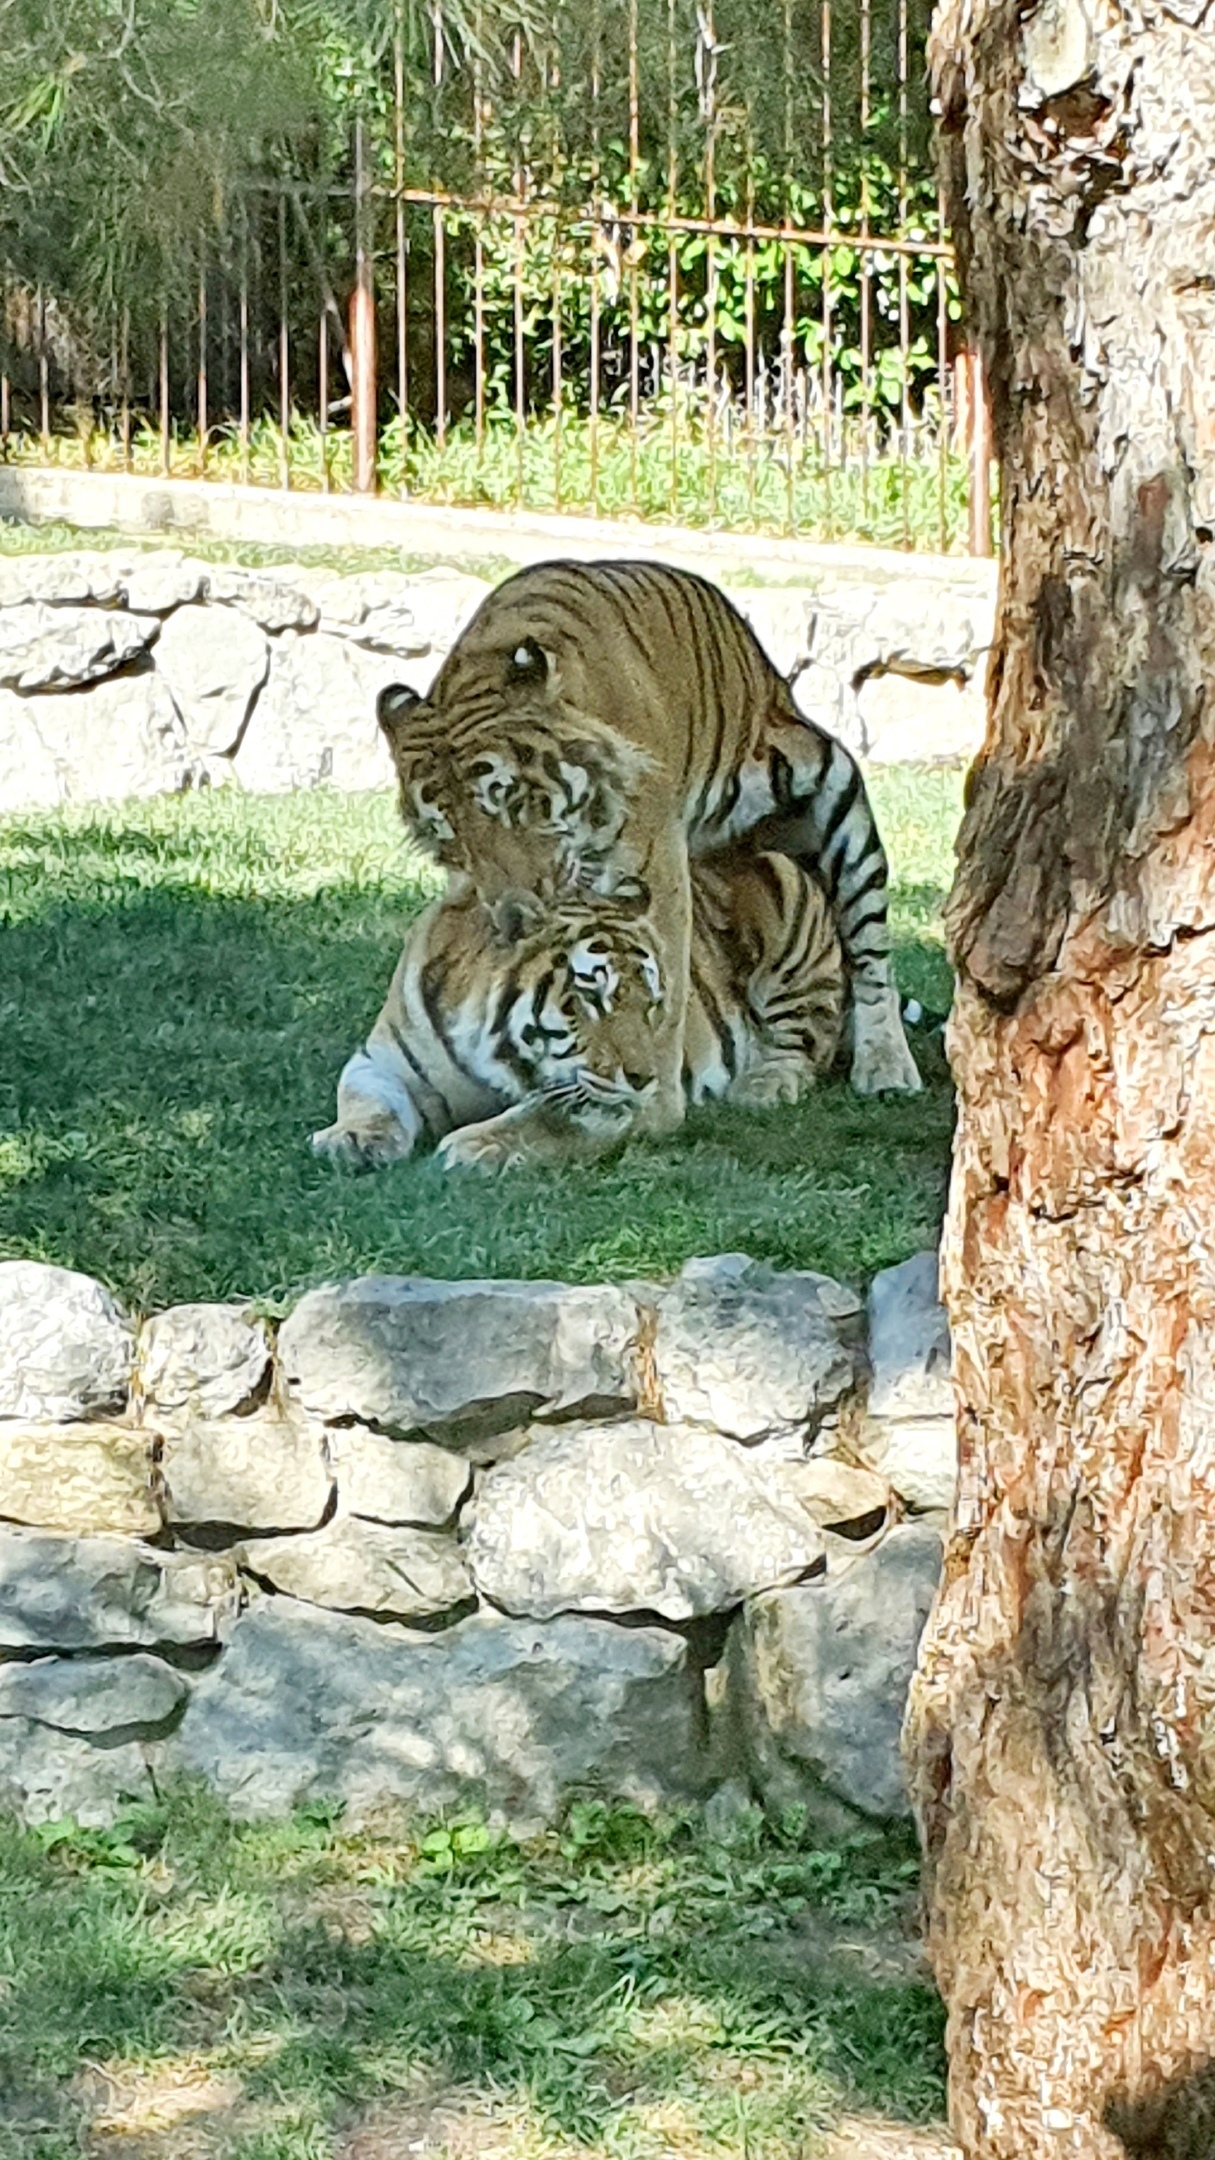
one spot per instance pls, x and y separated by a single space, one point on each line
18 538
183 979
619 1988
735 485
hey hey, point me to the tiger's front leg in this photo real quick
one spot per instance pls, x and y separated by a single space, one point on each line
377 1120
533 1134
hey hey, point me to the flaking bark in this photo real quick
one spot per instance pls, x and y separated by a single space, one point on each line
1062 1726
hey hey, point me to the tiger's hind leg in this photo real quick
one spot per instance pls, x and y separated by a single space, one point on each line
823 819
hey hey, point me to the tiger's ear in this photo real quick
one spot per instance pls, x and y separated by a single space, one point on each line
513 916
394 705
529 666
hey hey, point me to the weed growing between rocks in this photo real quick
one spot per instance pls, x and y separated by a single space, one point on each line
183 979
621 1987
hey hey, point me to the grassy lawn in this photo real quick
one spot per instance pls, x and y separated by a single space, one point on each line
183 979
183 1987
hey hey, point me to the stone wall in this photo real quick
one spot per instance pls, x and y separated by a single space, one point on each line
143 673
486 1543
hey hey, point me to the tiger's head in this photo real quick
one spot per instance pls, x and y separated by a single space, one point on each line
578 1001
502 779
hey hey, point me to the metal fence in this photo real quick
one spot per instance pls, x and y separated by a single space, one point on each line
677 258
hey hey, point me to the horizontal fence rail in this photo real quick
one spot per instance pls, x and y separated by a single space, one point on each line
658 261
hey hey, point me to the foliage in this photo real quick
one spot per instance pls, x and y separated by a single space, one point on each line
620 1987
183 980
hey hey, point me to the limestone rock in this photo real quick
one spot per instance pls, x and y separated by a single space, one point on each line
29 777
314 724
95 1593
909 1348
818 1680
81 1477
46 1775
208 1357
262 1472
408 1353
273 600
906 722
917 1457
396 1481
65 1348
747 1351
92 1695
354 1566
72 579
838 1494
509 1717
214 666
162 580
124 737
42 647
635 1517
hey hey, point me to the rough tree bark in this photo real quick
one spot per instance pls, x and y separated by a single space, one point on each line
1062 1727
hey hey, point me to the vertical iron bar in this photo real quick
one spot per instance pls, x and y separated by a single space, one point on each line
558 361
634 157
284 352
244 344
904 298
828 384
672 256
398 104
521 184
749 331
440 251
596 58
164 390
44 378
202 355
322 370
124 363
980 456
363 371
866 261
478 255
789 321
942 389
709 109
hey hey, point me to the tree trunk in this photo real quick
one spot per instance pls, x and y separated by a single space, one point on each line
1062 1726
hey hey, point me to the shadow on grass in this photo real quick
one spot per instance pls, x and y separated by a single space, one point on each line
178 995
319 1972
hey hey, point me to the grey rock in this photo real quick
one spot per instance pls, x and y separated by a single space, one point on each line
818 1680
314 723
66 1350
747 1351
29 776
354 1566
47 1775
123 737
206 1357
80 1477
92 1695
94 1593
908 722
409 1353
509 1717
275 602
262 1472
917 1457
635 1517
836 1493
909 1349
164 580
214 665
71 579
42 647
396 1481
731 1816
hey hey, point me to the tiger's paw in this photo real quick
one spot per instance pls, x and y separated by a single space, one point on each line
479 1147
364 1147
882 1063
784 1081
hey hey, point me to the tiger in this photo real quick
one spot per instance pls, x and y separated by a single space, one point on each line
609 723
516 1031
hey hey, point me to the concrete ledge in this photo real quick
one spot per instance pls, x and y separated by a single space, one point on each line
269 517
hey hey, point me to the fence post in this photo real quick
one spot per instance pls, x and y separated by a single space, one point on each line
362 333
979 443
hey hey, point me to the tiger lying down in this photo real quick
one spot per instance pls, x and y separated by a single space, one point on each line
608 726
516 1033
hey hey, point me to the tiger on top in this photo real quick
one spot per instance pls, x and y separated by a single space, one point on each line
598 725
